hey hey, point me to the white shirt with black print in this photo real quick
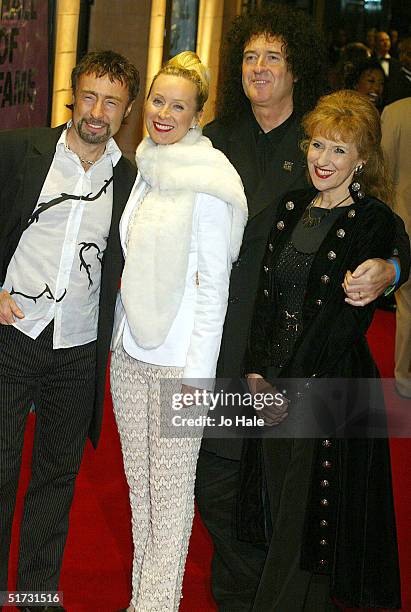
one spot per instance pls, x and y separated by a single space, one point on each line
55 271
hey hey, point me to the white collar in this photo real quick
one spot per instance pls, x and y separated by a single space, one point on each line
112 149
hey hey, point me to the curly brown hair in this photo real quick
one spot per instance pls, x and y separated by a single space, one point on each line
351 117
116 66
305 54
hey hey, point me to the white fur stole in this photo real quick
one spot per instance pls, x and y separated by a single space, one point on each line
155 271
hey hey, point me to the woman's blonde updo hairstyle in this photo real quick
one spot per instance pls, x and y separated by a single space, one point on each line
188 65
351 117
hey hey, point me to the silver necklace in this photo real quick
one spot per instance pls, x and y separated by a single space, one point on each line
309 221
84 161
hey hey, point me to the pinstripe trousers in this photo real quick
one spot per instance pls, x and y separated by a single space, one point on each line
61 383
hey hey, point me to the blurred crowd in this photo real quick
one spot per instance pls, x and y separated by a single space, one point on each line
379 66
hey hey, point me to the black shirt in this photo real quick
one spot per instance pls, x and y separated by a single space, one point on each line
267 142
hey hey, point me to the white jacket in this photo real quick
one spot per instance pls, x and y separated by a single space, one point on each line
188 292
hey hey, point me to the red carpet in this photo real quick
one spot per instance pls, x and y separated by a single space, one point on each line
96 571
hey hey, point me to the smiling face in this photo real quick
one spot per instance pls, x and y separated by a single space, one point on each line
331 164
266 78
171 108
100 106
371 84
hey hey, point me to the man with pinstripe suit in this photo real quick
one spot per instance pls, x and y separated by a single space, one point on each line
62 192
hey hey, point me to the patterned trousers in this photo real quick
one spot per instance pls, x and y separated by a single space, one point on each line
160 473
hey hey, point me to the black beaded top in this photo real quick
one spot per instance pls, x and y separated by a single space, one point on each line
290 273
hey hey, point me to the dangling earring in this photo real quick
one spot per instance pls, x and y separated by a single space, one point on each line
355 187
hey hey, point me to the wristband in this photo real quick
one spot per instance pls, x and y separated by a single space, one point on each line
392 287
397 270
389 290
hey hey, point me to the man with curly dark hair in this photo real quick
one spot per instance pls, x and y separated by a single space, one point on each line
302 50
274 70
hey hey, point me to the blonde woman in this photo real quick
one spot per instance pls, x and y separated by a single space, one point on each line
181 230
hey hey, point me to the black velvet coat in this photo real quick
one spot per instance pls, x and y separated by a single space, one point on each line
285 172
361 556
25 159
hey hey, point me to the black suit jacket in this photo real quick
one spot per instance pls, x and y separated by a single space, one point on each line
25 159
285 171
397 86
